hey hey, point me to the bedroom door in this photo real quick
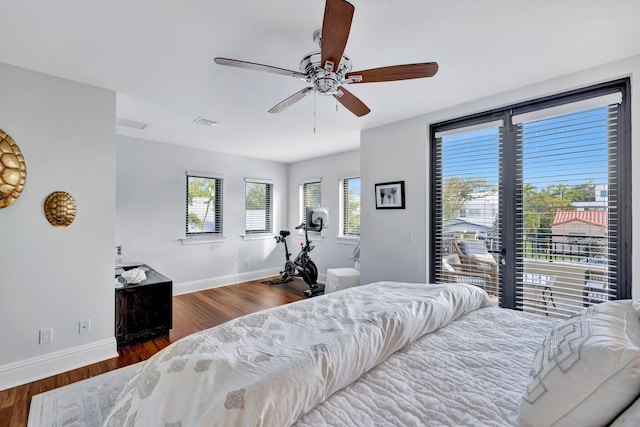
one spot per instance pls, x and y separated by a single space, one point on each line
533 202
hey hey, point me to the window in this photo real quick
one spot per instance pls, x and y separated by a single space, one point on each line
258 207
556 170
350 206
204 204
467 218
310 197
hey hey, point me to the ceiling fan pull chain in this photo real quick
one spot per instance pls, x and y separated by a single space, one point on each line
314 112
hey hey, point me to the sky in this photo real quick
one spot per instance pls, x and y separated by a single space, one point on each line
570 149
354 187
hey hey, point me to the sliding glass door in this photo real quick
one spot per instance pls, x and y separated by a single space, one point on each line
467 205
566 215
532 202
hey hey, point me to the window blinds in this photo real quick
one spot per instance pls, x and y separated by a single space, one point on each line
567 236
563 196
258 207
204 204
466 204
350 197
311 197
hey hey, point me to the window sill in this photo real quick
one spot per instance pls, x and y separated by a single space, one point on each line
202 240
348 240
257 236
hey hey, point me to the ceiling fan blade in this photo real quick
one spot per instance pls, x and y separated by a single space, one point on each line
291 100
396 72
259 67
352 103
338 15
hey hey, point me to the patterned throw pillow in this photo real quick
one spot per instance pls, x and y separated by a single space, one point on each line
587 370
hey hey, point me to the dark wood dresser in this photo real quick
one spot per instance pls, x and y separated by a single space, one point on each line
144 310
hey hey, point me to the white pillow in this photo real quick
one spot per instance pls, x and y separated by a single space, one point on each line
630 417
447 267
451 259
485 257
587 370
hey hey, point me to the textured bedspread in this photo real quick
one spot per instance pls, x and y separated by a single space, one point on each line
470 373
272 367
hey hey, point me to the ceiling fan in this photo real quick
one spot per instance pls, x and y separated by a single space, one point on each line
328 70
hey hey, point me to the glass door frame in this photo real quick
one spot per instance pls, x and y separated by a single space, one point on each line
508 190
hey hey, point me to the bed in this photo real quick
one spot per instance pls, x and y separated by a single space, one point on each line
395 354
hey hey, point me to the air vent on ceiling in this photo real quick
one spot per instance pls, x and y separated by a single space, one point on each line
206 122
132 124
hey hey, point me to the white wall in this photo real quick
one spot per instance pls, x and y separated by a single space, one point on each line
150 214
330 251
393 241
400 151
55 277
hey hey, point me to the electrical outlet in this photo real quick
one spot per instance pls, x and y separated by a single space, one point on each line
246 264
84 326
46 336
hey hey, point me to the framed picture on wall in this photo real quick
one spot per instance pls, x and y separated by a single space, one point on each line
390 195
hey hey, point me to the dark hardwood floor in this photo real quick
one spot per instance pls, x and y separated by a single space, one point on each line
191 313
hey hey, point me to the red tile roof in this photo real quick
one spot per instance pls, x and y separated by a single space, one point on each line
591 217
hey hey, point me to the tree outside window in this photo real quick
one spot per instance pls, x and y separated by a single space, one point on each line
258 207
204 205
350 206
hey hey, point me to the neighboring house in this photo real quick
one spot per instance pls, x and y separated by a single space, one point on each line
483 204
579 232
464 225
477 220
599 201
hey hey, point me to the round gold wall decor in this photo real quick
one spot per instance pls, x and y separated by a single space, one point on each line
60 208
13 170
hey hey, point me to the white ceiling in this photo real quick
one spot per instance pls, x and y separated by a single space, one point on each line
158 56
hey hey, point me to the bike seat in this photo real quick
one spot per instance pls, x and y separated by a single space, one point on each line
284 233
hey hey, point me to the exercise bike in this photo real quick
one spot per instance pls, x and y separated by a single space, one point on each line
302 264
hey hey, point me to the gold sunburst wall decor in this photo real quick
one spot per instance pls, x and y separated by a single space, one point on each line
60 208
13 170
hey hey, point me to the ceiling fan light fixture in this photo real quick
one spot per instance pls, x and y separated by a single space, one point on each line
325 81
205 122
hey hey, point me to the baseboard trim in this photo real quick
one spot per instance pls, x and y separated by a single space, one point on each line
216 282
37 368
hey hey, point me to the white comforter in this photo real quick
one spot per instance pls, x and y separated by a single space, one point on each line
471 373
272 367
